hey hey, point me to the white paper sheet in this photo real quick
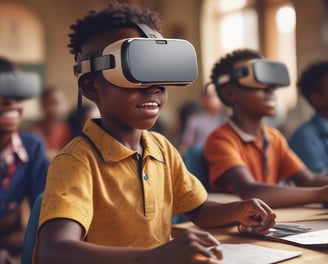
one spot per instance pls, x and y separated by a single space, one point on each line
253 254
319 237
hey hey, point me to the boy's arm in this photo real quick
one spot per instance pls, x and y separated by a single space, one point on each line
60 241
252 215
243 184
305 178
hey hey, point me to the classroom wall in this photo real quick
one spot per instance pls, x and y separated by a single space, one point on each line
181 19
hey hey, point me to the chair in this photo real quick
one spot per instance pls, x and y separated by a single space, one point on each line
197 165
30 232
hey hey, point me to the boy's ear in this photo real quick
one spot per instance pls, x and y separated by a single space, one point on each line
87 85
228 94
317 99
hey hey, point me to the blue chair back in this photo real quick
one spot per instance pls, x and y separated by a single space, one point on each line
197 165
31 229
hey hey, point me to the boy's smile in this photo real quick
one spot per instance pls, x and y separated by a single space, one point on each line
153 105
149 107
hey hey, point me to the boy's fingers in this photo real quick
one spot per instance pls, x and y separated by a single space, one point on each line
210 255
217 252
205 239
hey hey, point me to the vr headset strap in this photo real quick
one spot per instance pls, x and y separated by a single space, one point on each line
148 32
95 64
239 73
108 61
236 74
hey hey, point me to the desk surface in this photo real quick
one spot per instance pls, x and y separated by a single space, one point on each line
312 212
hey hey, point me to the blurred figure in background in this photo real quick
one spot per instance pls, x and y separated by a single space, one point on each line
247 157
201 124
179 124
52 127
77 117
310 140
23 159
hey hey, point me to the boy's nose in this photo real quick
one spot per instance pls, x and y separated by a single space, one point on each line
154 89
270 89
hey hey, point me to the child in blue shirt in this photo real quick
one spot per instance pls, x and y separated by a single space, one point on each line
23 159
310 140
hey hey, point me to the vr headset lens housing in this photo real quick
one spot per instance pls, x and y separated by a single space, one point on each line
258 73
143 62
19 84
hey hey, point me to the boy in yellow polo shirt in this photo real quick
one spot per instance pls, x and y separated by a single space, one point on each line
246 156
111 193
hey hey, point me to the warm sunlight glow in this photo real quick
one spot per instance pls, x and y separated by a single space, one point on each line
238 30
229 5
286 19
231 32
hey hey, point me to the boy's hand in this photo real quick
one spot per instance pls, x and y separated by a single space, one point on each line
193 246
255 217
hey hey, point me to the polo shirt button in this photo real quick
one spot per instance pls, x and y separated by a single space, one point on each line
145 176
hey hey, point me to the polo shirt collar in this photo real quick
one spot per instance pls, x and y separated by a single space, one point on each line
242 134
15 146
112 150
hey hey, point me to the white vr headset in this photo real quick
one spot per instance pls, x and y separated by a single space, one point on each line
143 62
18 84
257 73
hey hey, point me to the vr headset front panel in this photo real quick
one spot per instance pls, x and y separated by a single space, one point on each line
19 84
142 62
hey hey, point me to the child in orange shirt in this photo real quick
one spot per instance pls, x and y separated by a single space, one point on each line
244 155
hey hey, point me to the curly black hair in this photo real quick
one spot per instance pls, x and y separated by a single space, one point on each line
225 65
6 65
311 79
115 15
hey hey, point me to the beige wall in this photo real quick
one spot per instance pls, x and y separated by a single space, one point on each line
58 15
181 19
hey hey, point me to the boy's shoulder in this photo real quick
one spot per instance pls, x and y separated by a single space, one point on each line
232 131
223 129
29 137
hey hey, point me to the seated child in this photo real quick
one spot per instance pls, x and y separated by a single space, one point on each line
111 193
23 159
244 155
310 140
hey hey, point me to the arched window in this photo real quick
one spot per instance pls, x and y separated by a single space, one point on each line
22 41
21 34
226 25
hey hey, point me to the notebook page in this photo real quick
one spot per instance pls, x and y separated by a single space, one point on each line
253 254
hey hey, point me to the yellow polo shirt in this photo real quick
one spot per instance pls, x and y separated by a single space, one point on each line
118 198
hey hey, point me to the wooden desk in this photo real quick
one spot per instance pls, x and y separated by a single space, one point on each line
229 234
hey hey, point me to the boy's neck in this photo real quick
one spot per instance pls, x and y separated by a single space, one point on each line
129 138
136 147
248 125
